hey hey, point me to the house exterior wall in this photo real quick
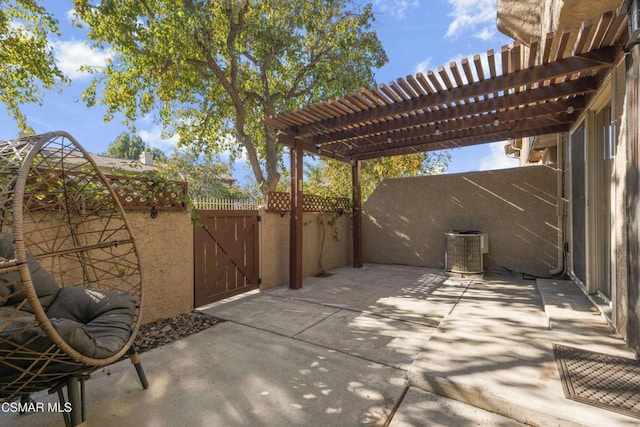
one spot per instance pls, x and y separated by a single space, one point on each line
519 20
621 260
524 20
625 277
633 215
274 245
405 219
165 250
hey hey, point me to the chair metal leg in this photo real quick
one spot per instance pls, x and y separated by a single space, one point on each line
75 393
135 359
24 400
62 400
73 406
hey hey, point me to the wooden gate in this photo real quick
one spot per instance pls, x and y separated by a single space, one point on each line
225 254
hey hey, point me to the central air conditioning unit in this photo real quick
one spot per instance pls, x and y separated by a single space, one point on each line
464 250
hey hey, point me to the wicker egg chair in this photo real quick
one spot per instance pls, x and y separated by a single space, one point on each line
70 279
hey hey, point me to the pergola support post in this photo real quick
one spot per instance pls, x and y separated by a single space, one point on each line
296 220
356 176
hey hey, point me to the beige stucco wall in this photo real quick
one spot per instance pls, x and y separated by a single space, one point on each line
165 253
165 249
519 20
524 20
405 219
274 244
620 202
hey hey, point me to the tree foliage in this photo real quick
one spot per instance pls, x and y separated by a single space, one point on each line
214 69
332 178
206 177
27 64
130 147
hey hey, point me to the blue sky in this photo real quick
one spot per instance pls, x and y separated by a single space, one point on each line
417 35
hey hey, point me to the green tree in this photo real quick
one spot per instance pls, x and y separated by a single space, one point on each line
27 64
206 177
214 69
130 147
332 178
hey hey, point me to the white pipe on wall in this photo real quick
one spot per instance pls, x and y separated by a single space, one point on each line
560 268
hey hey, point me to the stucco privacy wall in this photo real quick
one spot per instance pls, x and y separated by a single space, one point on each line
274 245
165 250
405 219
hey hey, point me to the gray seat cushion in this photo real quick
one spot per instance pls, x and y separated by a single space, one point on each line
11 290
95 323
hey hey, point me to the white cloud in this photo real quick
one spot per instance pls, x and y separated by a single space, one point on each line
154 139
424 66
17 26
147 119
497 159
396 8
486 33
477 17
71 15
72 54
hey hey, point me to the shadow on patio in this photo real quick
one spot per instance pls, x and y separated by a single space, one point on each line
340 350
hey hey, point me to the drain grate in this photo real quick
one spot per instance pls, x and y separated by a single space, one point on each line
600 380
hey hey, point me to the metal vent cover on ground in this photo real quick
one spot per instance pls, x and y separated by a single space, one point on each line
601 380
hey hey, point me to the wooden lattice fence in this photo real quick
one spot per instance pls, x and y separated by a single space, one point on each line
280 202
134 192
140 192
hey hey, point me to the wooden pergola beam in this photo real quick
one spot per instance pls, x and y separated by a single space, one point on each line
554 111
356 178
590 61
419 147
573 88
310 147
462 133
296 219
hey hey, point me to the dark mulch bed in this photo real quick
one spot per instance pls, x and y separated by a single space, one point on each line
165 331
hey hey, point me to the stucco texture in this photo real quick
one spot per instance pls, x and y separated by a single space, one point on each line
165 250
620 162
524 20
274 243
405 219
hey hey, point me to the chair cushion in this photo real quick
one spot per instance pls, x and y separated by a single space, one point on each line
95 323
11 289
20 338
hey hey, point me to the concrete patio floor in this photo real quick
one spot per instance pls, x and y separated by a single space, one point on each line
381 345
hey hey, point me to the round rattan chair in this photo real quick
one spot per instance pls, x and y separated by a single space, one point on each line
70 279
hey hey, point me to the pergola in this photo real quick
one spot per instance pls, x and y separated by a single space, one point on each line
538 89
